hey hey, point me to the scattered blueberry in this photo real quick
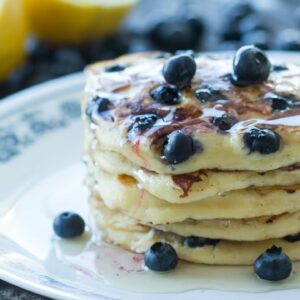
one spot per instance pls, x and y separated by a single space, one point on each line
115 68
68 225
161 257
225 122
165 95
178 147
143 122
180 70
250 66
262 140
273 265
292 238
99 105
278 102
195 241
207 95
176 33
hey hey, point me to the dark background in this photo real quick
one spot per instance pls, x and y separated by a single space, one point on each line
167 25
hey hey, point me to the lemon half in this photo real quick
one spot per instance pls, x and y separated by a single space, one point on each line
12 36
75 21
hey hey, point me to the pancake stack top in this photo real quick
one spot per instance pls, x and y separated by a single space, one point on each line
199 151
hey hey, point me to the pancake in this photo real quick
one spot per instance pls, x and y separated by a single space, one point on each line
185 188
137 203
125 232
129 94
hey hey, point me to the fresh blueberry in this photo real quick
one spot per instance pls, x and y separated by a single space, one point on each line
289 40
225 122
99 105
273 265
143 122
68 225
230 29
165 95
175 33
292 238
178 147
180 70
250 66
259 38
195 241
115 68
207 95
262 140
278 102
161 257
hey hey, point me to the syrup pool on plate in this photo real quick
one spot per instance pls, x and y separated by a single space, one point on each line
28 223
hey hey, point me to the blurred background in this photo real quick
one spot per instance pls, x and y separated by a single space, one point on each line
46 39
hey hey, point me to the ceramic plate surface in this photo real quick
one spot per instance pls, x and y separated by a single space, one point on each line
41 175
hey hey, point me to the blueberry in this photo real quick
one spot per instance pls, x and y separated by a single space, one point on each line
99 105
115 68
264 141
292 238
143 122
259 38
278 102
289 40
175 33
207 95
68 225
273 265
180 70
161 257
250 66
165 95
177 148
195 241
225 122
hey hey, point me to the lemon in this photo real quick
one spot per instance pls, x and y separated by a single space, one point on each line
12 36
75 21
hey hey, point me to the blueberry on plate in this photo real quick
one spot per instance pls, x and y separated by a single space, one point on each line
207 95
262 140
68 225
161 257
278 102
99 105
164 94
196 241
250 66
115 68
224 122
273 265
179 70
143 122
178 147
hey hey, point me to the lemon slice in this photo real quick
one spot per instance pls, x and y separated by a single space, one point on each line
12 36
75 21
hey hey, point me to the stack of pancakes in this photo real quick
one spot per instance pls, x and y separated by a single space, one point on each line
225 204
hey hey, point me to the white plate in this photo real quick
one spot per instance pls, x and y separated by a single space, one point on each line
41 175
